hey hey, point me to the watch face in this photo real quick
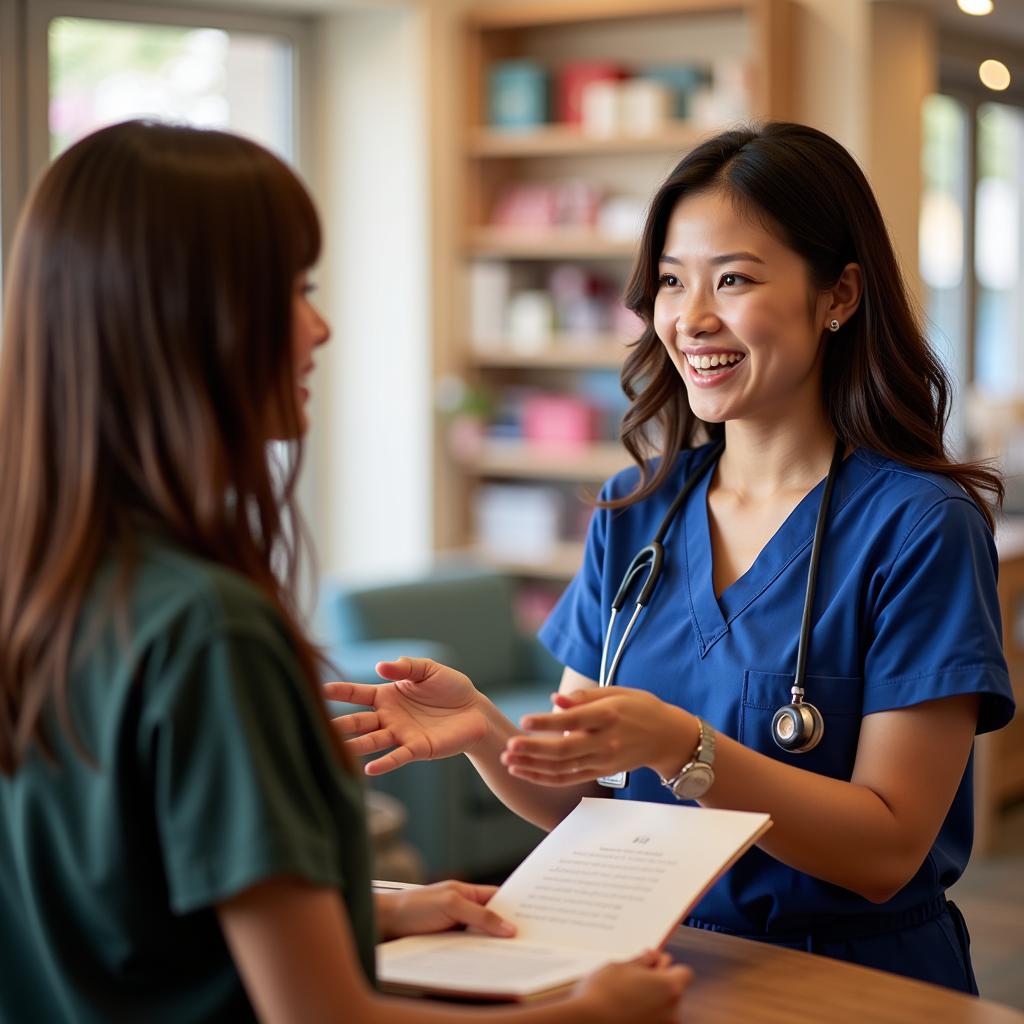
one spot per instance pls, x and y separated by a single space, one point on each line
695 783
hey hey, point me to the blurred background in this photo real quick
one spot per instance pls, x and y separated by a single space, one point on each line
482 169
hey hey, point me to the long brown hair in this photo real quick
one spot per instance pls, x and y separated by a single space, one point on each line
146 346
882 386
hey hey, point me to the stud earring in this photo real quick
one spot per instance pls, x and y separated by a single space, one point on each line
833 326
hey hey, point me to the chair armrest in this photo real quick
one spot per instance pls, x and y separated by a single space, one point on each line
536 663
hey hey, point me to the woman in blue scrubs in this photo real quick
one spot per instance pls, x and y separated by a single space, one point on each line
777 322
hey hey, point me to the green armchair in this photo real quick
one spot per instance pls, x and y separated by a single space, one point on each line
462 617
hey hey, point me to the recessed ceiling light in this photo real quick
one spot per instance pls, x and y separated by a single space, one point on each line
975 6
995 74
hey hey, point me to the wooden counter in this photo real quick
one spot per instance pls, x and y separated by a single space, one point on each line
737 981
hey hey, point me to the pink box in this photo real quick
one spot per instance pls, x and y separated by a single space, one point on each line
560 419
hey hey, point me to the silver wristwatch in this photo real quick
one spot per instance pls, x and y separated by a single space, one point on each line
695 778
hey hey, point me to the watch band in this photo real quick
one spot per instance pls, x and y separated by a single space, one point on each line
705 752
694 779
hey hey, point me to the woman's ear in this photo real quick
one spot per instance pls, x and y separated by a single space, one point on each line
844 296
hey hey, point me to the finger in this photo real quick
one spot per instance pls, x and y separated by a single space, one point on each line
413 669
473 915
356 724
353 693
555 780
375 741
586 695
477 893
578 698
583 717
572 747
588 762
674 981
389 762
648 958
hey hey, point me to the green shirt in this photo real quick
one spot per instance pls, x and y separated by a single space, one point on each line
213 770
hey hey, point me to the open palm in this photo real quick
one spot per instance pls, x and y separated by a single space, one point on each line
425 712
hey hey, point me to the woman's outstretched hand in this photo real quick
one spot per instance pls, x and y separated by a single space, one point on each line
426 711
598 732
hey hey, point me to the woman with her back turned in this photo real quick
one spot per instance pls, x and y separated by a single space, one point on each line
181 838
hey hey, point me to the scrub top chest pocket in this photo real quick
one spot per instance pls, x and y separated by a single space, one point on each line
838 698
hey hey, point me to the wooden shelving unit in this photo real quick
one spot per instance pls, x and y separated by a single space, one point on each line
521 460
477 162
565 352
547 245
560 140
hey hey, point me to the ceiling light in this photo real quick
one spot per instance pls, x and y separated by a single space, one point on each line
975 6
994 74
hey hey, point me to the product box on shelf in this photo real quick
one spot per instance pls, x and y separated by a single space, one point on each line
560 419
517 94
518 521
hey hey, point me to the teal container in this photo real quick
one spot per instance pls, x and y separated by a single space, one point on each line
517 95
682 79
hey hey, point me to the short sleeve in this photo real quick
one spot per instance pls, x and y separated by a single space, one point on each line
245 783
936 622
573 630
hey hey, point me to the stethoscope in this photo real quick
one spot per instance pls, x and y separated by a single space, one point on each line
798 726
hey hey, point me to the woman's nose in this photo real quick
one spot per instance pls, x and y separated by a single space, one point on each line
696 321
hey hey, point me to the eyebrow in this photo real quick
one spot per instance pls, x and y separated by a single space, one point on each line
728 257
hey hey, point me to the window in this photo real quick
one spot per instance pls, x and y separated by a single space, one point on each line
941 236
105 71
972 265
70 66
998 325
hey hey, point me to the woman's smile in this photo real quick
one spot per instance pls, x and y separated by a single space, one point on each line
710 368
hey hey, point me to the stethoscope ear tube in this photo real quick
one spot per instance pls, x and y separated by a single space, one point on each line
650 558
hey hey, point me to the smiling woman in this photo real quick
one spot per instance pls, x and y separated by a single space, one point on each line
723 275
779 344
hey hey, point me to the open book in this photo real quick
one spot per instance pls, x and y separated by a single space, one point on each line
613 879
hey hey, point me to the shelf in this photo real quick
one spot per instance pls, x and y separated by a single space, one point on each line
560 563
590 463
548 244
526 13
596 352
564 140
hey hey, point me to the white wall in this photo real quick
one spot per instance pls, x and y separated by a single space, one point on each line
370 446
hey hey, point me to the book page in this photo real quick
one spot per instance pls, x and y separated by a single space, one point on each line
617 875
482 965
613 879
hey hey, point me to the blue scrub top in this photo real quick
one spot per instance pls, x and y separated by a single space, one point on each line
906 611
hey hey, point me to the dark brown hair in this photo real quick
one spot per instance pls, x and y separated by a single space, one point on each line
882 386
146 348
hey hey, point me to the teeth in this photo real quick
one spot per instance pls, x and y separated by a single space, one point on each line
711 362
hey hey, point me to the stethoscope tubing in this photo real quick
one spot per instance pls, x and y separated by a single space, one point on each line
652 558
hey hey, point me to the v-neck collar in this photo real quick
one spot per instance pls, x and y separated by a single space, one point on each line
712 616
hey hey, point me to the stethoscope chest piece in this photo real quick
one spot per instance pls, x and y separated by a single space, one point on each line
798 727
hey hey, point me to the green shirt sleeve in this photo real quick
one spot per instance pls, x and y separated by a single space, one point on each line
245 782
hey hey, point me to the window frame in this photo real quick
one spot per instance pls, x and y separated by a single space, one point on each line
959 56
25 78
